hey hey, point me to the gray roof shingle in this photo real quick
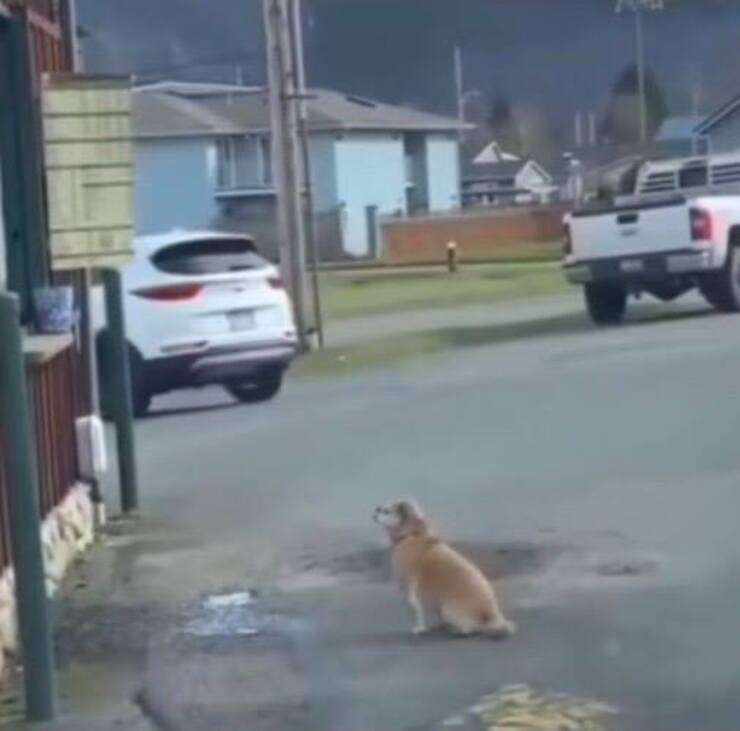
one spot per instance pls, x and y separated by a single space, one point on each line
493 170
172 113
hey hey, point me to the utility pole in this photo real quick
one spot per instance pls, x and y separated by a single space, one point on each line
638 7
460 92
308 212
592 129
578 130
640 46
284 125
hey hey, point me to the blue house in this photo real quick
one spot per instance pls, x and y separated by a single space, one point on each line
204 160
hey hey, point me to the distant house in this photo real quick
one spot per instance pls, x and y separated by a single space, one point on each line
493 152
203 158
721 129
678 128
506 182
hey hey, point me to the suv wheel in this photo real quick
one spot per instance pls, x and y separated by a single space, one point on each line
141 395
261 388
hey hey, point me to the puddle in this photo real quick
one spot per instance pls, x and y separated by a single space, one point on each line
234 614
225 615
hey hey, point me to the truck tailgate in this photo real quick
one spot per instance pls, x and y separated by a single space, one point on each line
648 227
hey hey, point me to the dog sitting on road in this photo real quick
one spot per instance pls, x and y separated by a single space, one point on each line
438 579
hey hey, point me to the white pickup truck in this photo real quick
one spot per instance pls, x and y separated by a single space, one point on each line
662 243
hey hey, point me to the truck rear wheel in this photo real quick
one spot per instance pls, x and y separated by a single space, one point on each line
722 289
606 302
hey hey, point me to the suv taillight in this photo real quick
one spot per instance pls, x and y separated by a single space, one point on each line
567 240
276 282
701 225
171 293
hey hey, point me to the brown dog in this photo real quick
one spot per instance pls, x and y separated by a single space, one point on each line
437 578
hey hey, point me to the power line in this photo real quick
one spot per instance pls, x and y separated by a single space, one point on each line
203 62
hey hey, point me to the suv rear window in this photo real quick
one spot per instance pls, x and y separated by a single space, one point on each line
209 256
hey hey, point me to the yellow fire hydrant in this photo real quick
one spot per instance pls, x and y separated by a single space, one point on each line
452 257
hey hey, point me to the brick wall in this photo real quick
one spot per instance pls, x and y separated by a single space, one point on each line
480 235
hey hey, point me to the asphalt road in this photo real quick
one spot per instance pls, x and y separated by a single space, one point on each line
596 473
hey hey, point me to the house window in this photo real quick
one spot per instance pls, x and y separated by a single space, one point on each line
233 163
243 162
265 148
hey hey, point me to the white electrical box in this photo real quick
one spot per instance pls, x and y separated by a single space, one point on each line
91 450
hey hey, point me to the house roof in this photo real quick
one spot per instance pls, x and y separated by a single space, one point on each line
196 89
493 170
493 152
475 172
179 109
678 128
716 117
169 115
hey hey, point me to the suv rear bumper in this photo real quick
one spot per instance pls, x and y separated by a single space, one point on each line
217 366
640 268
233 366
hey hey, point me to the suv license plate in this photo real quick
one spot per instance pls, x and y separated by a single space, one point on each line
632 265
241 320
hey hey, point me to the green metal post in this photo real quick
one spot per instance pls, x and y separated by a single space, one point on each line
21 153
30 581
119 385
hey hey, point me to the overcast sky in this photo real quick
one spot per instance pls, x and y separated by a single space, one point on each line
553 56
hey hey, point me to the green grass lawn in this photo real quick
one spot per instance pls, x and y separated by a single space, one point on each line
357 292
398 349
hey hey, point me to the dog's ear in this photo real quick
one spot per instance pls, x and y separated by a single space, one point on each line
408 510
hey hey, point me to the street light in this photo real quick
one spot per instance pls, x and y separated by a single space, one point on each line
462 96
638 7
466 97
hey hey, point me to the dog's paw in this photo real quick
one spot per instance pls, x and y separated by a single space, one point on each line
501 630
419 630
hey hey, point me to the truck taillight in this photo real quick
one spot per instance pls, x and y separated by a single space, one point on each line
701 225
567 240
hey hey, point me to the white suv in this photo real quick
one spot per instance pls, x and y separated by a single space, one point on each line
204 308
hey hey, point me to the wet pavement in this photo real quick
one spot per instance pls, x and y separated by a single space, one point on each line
592 473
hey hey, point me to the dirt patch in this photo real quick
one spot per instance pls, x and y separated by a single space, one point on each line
102 631
626 568
497 561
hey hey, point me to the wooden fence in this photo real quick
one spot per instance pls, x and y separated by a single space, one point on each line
480 234
56 401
